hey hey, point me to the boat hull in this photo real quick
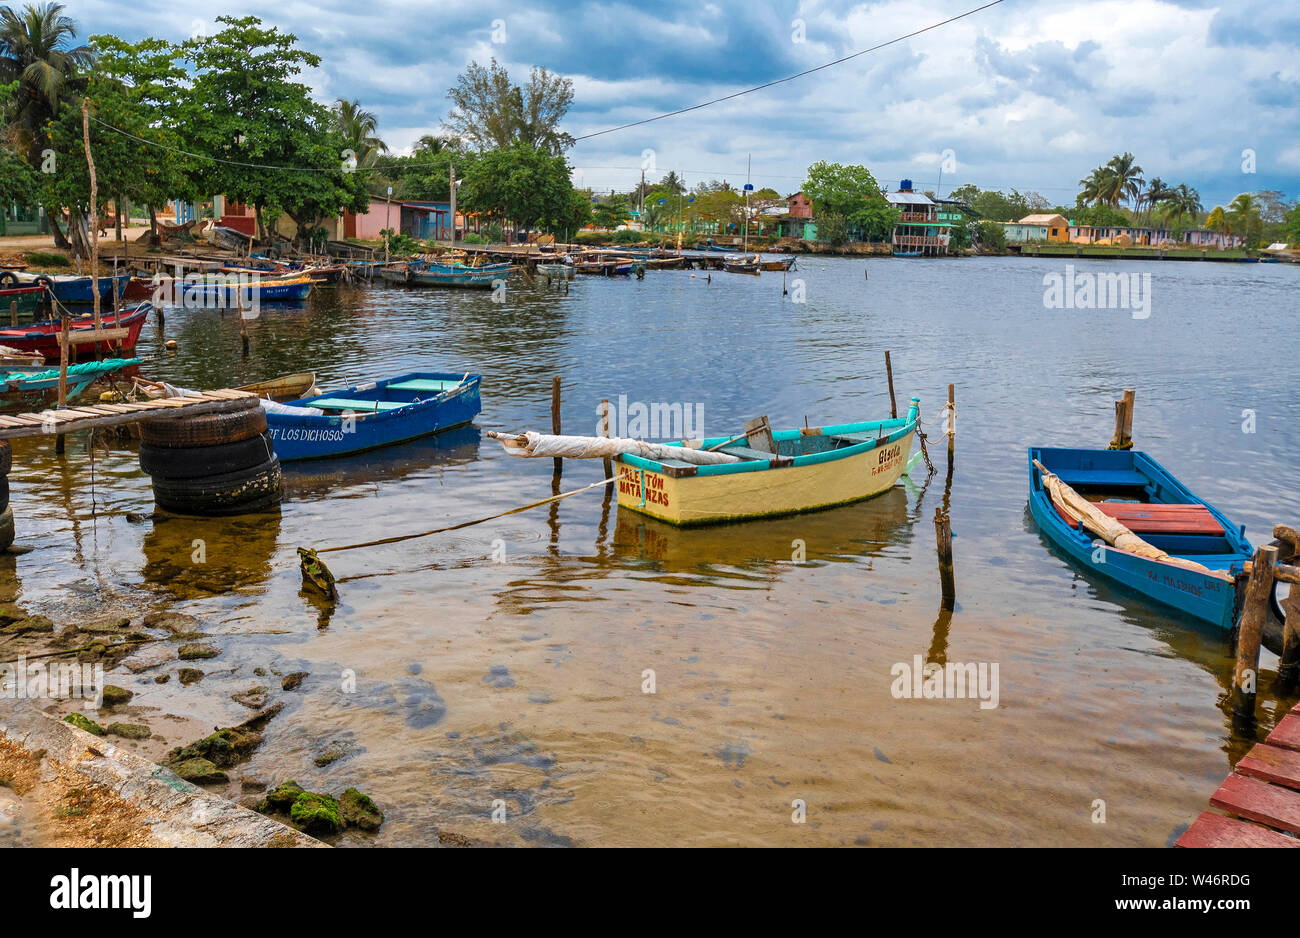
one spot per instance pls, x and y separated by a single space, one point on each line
1201 596
740 491
43 339
308 436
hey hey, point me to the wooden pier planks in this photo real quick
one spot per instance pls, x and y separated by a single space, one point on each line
71 419
1263 793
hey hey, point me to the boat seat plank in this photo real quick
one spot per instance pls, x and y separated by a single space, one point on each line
1287 733
1101 477
1141 518
1254 800
1215 830
1272 764
344 403
856 438
423 384
744 452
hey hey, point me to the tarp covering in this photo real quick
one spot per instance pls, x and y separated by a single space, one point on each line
603 447
1108 529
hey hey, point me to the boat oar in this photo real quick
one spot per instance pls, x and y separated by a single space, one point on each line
316 574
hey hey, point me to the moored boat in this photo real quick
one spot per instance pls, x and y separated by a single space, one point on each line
283 388
43 338
740 263
556 271
1123 517
424 273
777 263
69 288
372 415
21 384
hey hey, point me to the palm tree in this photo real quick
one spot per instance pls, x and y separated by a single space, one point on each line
1244 214
1219 221
673 183
359 129
1125 178
1182 202
1096 186
36 51
429 144
1155 192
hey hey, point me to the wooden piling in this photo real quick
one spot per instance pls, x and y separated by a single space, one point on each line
1288 668
605 432
555 420
1123 421
1245 675
889 374
943 540
952 424
59 442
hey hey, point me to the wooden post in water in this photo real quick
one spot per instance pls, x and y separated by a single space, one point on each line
59 442
1123 421
243 323
889 374
943 539
952 426
1245 675
555 420
605 432
1288 668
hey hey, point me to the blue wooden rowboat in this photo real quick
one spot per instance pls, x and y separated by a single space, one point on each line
422 273
69 288
1137 491
372 415
233 288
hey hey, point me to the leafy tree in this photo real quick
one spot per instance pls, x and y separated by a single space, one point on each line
992 236
359 129
999 206
1243 212
673 183
1292 228
246 106
520 182
488 111
837 189
876 219
610 213
833 228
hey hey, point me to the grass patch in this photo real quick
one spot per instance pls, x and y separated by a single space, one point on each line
45 259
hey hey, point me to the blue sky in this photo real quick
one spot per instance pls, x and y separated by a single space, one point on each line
1030 93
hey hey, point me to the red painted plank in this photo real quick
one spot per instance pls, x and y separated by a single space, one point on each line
1287 732
1215 830
1271 764
1142 518
1259 801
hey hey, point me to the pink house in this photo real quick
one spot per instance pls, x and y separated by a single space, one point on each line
800 206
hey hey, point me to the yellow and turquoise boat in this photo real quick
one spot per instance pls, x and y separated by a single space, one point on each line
808 469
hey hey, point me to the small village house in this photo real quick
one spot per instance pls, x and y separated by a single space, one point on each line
918 232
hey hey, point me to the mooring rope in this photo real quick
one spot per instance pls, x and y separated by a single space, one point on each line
465 524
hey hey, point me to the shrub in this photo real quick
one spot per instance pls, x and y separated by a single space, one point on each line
43 259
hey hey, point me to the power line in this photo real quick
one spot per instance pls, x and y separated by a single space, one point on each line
778 81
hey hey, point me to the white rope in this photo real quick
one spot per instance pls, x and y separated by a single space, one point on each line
602 447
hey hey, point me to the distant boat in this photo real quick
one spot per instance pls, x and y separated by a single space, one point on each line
556 271
1122 516
43 338
778 263
69 288
426 274
372 415
741 263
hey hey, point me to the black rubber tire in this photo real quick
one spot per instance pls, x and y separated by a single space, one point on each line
198 462
233 493
4 492
8 279
6 528
6 458
205 429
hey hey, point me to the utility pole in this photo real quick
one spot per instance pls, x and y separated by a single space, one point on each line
452 182
388 220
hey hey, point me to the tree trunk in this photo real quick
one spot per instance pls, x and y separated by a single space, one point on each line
153 224
117 206
261 230
79 233
60 241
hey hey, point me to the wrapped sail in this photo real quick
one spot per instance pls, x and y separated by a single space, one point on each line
604 447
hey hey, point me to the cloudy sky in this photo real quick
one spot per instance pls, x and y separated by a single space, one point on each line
1028 94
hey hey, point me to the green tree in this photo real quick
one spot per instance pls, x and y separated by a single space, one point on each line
673 183
523 183
611 211
833 228
876 219
359 129
992 236
490 112
837 189
279 149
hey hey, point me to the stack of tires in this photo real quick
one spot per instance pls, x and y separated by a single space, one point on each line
218 463
6 512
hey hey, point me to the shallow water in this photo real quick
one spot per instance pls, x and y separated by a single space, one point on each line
519 684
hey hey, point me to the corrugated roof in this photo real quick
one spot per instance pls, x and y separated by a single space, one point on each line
908 198
1044 219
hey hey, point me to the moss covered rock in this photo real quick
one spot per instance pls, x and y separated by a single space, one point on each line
316 813
359 811
105 625
197 650
29 624
225 747
293 681
115 696
129 730
189 676
281 798
82 722
199 772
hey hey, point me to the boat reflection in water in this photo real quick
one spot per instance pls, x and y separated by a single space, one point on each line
319 478
191 557
844 534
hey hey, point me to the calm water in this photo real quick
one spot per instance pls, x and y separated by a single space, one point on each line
520 682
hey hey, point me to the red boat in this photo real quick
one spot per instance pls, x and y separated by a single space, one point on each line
43 338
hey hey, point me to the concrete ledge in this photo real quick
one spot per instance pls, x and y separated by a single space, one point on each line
180 814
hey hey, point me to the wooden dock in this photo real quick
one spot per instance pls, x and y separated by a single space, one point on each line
1262 796
70 419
